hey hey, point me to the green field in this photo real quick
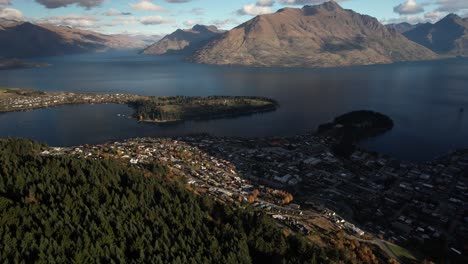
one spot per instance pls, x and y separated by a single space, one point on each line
400 252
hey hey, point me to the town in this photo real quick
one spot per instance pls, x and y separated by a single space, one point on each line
300 183
25 99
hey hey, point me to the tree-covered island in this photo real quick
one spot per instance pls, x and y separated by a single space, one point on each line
348 129
147 108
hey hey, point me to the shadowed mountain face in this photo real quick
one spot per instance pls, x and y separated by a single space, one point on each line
24 39
184 41
403 27
324 35
448 36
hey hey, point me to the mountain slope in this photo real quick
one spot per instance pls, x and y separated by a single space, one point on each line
184 41
24 39
403 27
448 36
324 35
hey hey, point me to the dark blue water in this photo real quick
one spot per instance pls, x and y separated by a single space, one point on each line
423 99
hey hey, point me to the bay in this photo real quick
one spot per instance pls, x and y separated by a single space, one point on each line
423 98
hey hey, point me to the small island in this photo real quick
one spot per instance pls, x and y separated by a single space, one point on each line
147 108
348 129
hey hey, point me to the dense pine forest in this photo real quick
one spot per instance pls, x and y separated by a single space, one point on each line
61 210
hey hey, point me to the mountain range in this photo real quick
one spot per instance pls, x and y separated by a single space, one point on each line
324 35
447 37
184 41
25 39
402 27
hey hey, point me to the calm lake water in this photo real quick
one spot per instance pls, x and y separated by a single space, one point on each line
423 98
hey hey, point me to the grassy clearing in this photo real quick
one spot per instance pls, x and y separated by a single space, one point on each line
401 252
5 91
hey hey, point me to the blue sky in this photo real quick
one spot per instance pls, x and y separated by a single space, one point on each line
164 16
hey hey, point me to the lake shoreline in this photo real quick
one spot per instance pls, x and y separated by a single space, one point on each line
18 100
426 111
11 64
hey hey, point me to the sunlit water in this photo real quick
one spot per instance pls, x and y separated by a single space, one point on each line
423 98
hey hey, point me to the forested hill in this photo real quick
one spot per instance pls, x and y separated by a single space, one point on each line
62 209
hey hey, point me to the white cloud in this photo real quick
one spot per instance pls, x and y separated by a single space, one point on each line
62 3
115 12
72 20
225 23
409 7
451 5
155 20
146 5
433 16
306 2
197 11
254 10
409 19
127 20
11 13
265 3
189 23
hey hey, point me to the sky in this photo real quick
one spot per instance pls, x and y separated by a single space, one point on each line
159 17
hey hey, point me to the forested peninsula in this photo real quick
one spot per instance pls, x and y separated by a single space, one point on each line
147 108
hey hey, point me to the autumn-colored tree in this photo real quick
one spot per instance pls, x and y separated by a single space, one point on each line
284 197
288 198
255 192
253 196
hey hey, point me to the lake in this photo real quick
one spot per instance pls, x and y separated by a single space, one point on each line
423 98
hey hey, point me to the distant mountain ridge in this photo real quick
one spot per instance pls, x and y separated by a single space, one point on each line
449 36
184 41
25 39
324 35
402 27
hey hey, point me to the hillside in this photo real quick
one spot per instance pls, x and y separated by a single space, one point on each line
67 209
449 36
25 39
184 41
402 27
323 35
